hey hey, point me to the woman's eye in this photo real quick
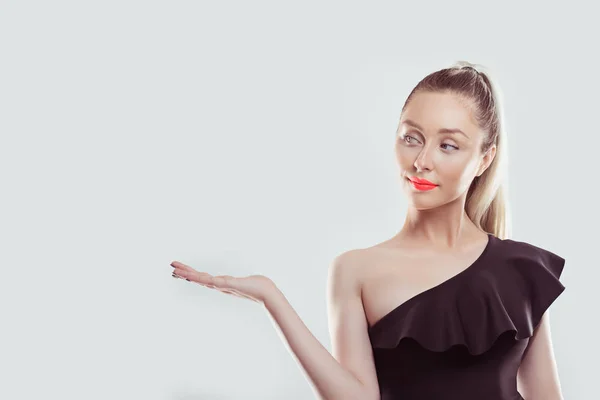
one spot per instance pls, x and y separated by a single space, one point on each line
446 144
407 139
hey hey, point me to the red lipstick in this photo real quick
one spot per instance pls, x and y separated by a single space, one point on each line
422 184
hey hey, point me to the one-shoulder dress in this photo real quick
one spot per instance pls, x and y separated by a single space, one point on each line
465 338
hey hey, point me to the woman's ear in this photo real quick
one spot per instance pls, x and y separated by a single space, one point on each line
487 159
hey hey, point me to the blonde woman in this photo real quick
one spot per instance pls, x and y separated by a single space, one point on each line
450 307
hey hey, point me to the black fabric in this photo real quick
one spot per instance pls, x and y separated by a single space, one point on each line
465 338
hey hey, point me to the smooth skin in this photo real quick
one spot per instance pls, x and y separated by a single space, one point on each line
436 228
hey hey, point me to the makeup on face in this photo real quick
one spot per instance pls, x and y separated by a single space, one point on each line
421 184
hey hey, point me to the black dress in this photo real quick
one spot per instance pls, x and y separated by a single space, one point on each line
465 338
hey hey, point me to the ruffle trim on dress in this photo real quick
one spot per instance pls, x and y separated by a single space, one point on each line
511 293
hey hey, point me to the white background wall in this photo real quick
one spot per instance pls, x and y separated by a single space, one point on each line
253 137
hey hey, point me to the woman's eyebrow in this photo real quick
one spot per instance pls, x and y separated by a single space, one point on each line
443 130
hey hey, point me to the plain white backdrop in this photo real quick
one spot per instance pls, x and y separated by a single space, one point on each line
254 137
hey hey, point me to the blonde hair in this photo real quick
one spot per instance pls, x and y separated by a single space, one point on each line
487 197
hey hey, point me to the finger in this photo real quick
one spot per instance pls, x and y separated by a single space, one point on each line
184 272
175 275
214 282
177 264
202 278
181 273
190 277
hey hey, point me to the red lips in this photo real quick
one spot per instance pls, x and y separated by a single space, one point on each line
422 181
422 184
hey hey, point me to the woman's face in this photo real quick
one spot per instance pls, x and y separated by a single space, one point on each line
439 141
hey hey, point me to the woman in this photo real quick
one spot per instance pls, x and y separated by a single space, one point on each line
450 307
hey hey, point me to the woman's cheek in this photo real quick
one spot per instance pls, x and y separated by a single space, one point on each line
406 156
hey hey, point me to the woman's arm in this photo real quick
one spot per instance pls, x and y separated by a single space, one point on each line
329 378
537 377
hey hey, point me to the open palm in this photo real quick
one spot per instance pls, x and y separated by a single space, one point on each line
253 287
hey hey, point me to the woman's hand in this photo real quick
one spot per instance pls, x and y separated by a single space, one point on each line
254 287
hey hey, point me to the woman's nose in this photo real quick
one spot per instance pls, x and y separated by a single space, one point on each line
423 161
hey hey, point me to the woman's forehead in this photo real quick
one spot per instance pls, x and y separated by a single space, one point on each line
434 111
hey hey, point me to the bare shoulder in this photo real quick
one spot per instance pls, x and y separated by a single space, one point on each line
360 267
346 263
348 268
